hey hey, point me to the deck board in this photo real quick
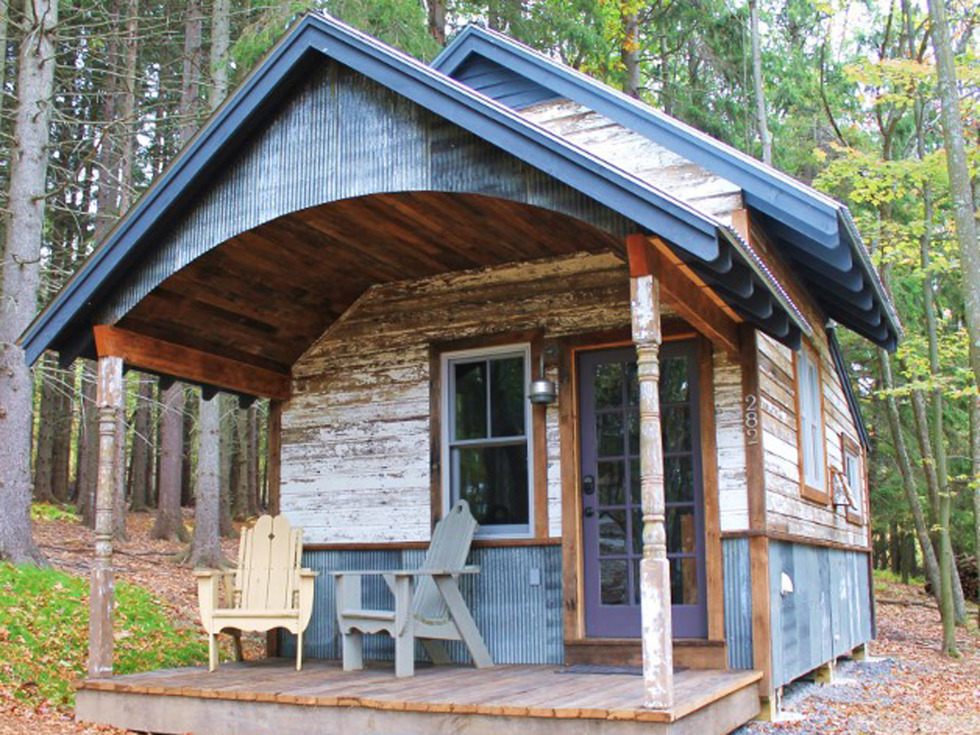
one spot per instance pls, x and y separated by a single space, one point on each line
507 691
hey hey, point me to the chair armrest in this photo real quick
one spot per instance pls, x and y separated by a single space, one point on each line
207 573
307 585
308 573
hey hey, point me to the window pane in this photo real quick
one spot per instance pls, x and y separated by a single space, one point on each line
680 530
612 490
613 581
636 487
507 397
676 428
609 385
684 581
678 479
470 403
634 426
636 531
609 434
493 480
674 387
612 532
632 385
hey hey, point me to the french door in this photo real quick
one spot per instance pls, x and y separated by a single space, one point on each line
612 523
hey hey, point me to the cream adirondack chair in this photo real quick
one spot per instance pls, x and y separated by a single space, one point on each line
268 589
435 612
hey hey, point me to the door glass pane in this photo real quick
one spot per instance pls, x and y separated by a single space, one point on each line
471 400
674 385
612 532
507 397
636 531
636 581
493 480
632 385
635 487
678 479
684 581
613 581
634 422
612 490
609 385
676 428
609 434
680 530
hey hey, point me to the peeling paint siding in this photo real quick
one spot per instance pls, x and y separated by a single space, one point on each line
730 439
340 136
640 156
355 449
786 510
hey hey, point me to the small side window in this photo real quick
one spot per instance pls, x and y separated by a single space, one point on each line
854 475
811 437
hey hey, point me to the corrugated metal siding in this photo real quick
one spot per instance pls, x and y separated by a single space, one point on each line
340 136
521 622
738 602
827 614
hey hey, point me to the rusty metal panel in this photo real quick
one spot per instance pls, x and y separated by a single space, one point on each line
738 602
515 600
341 136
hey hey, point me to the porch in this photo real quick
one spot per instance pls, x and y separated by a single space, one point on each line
270 696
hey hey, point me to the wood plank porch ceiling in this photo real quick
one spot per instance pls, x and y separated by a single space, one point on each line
264 296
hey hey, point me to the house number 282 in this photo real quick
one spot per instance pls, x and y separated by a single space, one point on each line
751 418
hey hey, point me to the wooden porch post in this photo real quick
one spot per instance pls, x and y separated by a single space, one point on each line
658 655
109 399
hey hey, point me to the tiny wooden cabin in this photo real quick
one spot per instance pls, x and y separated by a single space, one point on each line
393 252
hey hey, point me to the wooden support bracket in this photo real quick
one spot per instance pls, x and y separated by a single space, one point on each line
693 299
189 364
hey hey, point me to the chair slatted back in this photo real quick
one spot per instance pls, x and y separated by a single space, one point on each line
449 548
269 555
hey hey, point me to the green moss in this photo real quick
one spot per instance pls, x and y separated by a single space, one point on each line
44 633
53 512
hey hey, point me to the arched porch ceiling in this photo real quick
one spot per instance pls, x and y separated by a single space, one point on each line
264 296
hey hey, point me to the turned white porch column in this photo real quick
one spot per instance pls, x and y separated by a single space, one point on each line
658 655
109 401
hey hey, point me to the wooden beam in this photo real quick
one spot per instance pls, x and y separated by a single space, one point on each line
189 364
694 300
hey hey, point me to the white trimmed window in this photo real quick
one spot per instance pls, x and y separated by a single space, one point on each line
811 420
487 437
854 477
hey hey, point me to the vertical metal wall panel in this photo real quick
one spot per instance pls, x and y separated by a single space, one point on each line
339 136
515 600
738 602
828 612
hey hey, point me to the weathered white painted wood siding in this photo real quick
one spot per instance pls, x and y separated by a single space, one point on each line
355 456
786 510
733 494
640 156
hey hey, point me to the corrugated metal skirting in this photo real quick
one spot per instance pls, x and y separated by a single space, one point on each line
738 602
515 600
828 612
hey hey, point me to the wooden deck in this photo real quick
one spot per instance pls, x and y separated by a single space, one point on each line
270 696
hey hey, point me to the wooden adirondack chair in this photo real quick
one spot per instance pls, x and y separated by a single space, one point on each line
435 612
268 589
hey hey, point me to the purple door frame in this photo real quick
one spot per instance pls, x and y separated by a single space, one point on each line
609 491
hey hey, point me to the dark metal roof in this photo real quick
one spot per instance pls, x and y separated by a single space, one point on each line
814 232
698 238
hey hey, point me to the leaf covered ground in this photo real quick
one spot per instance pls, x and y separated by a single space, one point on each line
907 688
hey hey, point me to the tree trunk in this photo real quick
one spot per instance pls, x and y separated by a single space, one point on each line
758 86
191 75
142 445
187 443
88 447
630 54
240 508
226 446
46 418
21 273
964 216
908 479
253 462
169 523
975 465
437 20
205 548
220 42
61 457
